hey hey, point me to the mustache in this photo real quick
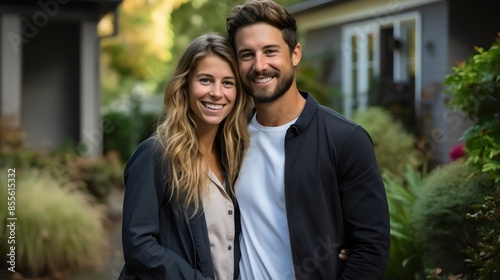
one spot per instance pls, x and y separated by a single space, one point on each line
268 73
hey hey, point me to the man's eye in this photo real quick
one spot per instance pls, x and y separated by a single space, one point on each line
246 56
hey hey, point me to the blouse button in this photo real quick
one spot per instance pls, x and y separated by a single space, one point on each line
229 247
230 212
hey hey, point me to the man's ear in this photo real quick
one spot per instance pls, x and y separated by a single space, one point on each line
296 54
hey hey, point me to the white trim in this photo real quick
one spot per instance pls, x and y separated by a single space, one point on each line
90 119
362 71
346 75
418 66
378 10
10 70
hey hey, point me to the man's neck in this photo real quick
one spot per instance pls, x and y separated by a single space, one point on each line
281 111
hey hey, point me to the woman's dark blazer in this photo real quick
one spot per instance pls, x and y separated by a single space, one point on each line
157 242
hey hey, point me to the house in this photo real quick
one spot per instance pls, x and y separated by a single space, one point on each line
49 70
397 54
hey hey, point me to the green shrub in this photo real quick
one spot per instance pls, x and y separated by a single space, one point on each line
405 260
475 89
393 146
439 215
57 228
97 176
485 256
125 131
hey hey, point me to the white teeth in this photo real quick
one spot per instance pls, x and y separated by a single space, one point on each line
213 106
264 80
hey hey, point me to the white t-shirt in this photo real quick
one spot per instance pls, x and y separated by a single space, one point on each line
260 190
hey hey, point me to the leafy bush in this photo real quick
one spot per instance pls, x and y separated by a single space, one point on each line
439 215
394 147
405 261
57 228
475 90
11 135
97 176
126 131
485 256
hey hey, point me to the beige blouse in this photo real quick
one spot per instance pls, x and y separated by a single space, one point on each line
219 214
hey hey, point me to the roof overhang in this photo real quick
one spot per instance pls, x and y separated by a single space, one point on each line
103 6
312 5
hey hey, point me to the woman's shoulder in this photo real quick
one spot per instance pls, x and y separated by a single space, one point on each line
148 151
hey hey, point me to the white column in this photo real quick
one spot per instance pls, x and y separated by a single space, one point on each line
90 117
10 68
362 79
346 84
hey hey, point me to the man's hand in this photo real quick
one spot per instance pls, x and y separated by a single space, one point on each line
344 254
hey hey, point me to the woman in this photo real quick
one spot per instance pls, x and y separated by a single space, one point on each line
180 218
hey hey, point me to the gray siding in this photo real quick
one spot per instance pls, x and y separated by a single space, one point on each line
1 113
433 130
324 49
50 96
434 42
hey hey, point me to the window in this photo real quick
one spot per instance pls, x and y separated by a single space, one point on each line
380 65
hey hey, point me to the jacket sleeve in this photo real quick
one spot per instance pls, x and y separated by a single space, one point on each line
365 209
144 257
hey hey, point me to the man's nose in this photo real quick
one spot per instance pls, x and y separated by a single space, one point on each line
260 63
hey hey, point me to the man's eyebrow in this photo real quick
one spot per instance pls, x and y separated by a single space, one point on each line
272 46
244 50
265 47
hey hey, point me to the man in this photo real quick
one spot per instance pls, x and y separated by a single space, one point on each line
309 184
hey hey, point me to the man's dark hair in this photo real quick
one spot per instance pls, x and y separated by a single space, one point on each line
262 11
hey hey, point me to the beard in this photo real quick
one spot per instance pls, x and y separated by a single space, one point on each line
263 95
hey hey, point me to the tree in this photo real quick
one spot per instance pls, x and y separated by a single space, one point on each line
140 51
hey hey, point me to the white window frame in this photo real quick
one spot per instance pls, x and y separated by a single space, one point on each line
361 30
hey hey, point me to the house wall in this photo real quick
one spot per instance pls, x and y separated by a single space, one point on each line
435 66
51 88
434 140
1 45
325 43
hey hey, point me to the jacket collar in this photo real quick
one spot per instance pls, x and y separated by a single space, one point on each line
306 116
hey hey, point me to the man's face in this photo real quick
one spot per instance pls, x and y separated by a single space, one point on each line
265 64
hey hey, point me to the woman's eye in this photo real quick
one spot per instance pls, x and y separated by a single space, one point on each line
205 81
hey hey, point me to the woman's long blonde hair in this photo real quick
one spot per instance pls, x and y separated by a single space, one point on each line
187 169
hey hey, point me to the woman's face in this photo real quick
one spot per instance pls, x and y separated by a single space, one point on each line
212 91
